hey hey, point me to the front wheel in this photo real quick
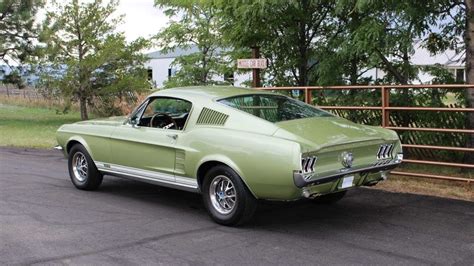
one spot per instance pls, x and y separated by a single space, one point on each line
82 170
227 199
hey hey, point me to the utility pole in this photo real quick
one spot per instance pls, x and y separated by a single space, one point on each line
256 71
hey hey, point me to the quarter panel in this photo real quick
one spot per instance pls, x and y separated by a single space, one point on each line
265 163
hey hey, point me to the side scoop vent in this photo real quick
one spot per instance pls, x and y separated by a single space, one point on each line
179 161
211 117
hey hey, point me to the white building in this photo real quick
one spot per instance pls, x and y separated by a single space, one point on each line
449 59
160 69
422 57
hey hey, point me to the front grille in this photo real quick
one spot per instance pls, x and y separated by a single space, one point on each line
308 163
385 151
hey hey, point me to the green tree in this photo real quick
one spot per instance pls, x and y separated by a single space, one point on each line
455 30
388 32
293 35
86 59
13 78
197 26
17 29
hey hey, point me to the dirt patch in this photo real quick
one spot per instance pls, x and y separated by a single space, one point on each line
432 187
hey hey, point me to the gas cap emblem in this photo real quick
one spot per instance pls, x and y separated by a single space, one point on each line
346 159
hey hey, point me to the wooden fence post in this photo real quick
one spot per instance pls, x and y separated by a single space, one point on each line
385 104
308 97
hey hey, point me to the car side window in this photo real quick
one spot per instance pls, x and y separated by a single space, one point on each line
166 113
273 108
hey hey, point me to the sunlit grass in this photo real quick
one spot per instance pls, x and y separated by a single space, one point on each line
40 102
31 126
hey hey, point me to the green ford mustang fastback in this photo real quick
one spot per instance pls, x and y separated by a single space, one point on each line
232 145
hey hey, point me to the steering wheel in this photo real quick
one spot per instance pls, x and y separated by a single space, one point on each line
167 122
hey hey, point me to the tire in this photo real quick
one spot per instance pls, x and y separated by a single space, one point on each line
239 206
330 198
85 179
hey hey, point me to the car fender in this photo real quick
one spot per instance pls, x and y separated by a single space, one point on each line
82 141
227 161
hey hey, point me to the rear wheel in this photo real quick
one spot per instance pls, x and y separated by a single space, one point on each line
227 199
330 198
82 170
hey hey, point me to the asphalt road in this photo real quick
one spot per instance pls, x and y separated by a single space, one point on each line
45 220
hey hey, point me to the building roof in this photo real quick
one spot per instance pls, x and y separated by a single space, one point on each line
449 58
179 51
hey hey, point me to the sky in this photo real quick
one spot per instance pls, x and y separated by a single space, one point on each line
142 19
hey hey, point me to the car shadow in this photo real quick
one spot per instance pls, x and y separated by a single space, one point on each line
151 194
362 208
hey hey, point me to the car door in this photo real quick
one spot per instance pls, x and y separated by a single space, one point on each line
141 148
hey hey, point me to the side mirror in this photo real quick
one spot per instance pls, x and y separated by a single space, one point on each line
133 121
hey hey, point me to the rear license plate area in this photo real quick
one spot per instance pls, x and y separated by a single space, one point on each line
347 182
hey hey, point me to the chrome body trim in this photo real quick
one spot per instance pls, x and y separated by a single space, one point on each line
61 149
57 147
301 180
152 177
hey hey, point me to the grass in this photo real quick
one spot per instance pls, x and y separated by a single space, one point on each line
31 121
32 127
34 101
432 187
437 170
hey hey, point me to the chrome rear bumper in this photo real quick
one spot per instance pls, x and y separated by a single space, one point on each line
301 181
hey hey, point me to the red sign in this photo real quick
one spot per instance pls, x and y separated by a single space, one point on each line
252 63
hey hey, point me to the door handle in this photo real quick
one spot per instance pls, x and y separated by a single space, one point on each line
173 136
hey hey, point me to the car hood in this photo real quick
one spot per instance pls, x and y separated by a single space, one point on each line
110 121
319 132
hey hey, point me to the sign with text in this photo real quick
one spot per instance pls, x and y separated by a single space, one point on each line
252 63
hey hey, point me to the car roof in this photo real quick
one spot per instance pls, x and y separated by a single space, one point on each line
210 92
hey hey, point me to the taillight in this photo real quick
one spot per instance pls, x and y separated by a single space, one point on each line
308 164
385 151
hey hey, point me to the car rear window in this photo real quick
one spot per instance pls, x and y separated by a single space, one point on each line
273 108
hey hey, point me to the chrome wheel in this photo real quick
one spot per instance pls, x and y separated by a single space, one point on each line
223 195
79 166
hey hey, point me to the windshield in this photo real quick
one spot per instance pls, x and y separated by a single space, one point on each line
273 108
